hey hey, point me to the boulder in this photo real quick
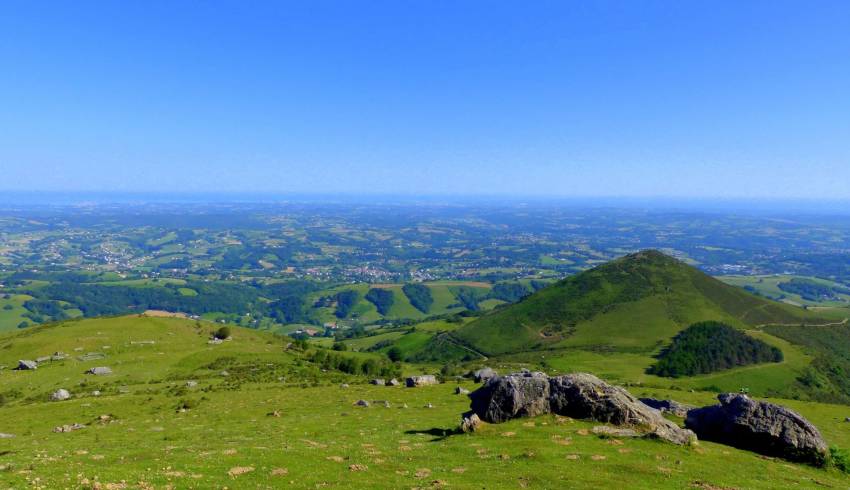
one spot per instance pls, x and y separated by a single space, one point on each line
507 397
361 403
581 396
460 390
25 365
668 406
393 382
378 382
470 422
423 380
584 396
763 427
483 374
99 371
60 395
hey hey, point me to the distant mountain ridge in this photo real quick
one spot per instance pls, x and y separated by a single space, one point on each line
636 303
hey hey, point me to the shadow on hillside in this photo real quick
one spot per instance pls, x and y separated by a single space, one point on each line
438 433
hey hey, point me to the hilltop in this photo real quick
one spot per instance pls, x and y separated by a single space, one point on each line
635 303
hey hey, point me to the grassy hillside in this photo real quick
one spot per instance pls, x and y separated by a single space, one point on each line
636 303
444 294
277 421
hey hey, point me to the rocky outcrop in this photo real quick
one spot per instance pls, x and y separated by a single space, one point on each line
580 395
668 406
763 427
483 374
507 397
424 380
99 371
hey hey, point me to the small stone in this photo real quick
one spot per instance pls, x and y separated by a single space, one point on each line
470 422
60 395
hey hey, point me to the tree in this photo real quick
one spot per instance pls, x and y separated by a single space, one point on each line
395 354
222 333
419 296
382 299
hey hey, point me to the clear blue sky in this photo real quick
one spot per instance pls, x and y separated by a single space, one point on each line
564 98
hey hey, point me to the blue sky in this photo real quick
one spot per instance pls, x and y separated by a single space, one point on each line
687 99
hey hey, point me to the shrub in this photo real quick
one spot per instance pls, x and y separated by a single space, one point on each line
188 404
395 354
222 333
839 459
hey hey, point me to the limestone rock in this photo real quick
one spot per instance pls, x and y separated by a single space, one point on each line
763 427
507 397
668 406
60 395
25 365
483 374
423 380
470 422
584 396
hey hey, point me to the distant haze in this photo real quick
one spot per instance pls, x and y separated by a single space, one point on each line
736 100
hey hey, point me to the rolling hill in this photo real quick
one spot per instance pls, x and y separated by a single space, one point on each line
632 304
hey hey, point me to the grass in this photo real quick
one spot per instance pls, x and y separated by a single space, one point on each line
9 319
319 437
768 285
443 293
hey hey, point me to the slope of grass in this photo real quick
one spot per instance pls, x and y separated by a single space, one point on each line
11 318
317 438
320 439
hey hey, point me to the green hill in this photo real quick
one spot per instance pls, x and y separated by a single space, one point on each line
636 304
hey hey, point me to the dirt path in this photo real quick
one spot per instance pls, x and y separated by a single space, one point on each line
833 324
455 343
